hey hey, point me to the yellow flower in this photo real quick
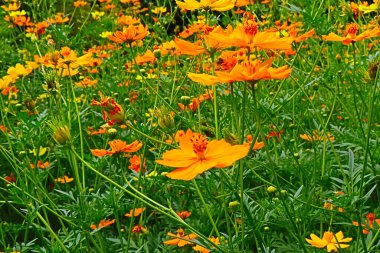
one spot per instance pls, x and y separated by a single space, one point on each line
317 137
330 241
64 180
159 10
215 5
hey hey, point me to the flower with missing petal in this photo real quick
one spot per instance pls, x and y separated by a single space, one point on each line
196 155
102 224
135 212
330 241
180 239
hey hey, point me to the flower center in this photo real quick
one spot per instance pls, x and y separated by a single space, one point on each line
371 217
352 29
199 145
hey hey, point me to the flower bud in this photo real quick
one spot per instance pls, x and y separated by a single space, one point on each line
166 121
372 70
230 137
271 189
61 134
233 204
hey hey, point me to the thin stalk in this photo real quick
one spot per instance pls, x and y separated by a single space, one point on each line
54 235
206 208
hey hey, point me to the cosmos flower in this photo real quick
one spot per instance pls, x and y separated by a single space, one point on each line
117 147
180 239
215 5
330 241
351 34
196 155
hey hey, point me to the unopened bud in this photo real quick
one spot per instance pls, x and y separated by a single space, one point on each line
271 189
61 134
233 204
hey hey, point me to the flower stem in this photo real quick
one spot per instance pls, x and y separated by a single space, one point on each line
206 208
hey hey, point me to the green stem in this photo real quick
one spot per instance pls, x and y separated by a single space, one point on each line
206 208
54 235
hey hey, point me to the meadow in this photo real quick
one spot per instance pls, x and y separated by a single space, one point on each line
189 126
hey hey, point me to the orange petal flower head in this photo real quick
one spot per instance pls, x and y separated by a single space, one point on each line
112 110
184 214
102 224
180 239
118 146
196 155
130 34
330 241
215 5
135 212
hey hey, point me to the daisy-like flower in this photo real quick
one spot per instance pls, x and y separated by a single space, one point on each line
246 71
117 147
130 34
180 239
184 214
196 155
215 5
351 34
329 241
317 137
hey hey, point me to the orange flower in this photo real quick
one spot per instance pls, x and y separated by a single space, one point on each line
112 110
11 7
86 82
215 5
254 70
130 34
102 224
135 212
193 106
148 57
40 165
351 37
201 249
330 241
64 180
135 163
138 229
368 223
183 214
258 144
188 48
196 156
316 137
80 3
180 238
118 146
